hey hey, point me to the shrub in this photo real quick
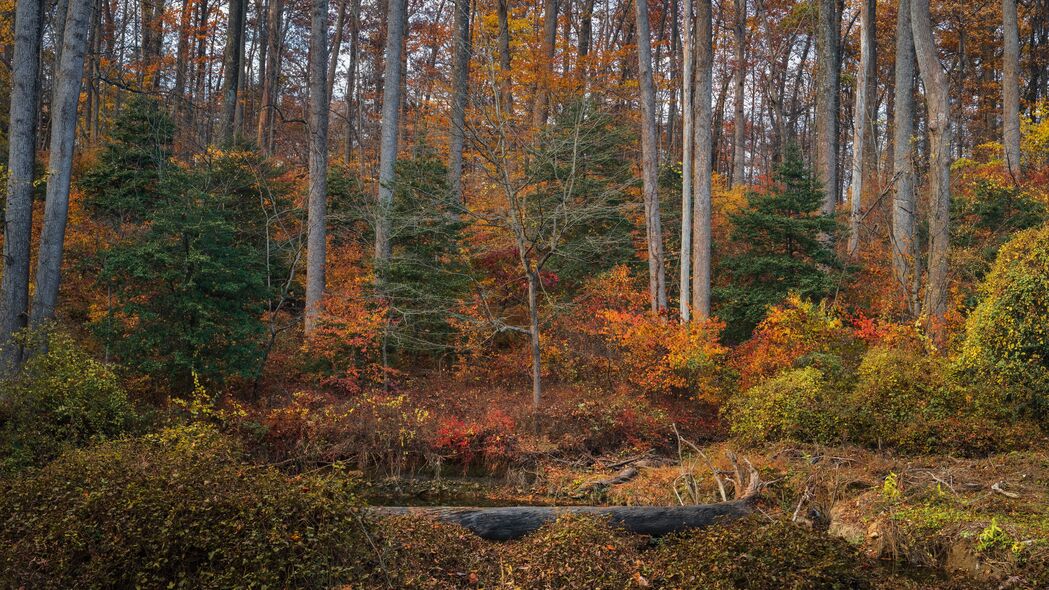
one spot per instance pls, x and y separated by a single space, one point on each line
605 422
490 442
750 554
575 552
793 405
1005 353
62 398
176 510
421 553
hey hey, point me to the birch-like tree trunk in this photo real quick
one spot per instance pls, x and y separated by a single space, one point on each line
390 114
904 254
1011 88
21 160
316 245
657 290
460 86
862 117
687 159
68 81
232 65
828 74
939 181
738 123
701 185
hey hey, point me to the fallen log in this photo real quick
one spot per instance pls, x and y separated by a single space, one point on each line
514 522
626 474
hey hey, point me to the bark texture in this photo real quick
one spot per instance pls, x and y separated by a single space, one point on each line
701 185
316 240
904 255
687 158
862 118
460 83
828 74
1011 87
390 114
650 161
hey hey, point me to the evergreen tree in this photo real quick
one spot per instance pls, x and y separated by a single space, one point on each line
782 235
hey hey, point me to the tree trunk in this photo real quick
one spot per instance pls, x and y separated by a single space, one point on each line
738 153
1011 88
269 79
904 255
541 107
701 185
232 65
336 48
506 95
390 112
63 135
533 333
316 244
939 163
862 117
21 159
828 73
460 87
185 31
650 161
687 159
152 24
351 78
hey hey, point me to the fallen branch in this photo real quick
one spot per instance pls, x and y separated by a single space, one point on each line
626 474
998 488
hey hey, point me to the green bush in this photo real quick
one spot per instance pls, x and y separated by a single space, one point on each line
1005 353
421 553
62 398
176 509
756 555
792 405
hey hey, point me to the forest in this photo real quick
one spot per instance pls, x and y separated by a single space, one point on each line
524 294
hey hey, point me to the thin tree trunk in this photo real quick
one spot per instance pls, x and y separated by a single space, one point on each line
904 256
701 204
351 78
862 117
505 93
460 87
828 73
533 332
390 112
738 124
185 25
939 163
269 77
21 160
541 106
232 65
687 159
336 48
1011 88
316 245
68 82
650 161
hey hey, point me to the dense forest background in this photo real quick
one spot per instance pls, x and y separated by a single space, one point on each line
368 241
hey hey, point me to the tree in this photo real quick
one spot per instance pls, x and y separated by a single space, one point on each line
780 232
904 240
233 63
650 162
460 83
939 181
59 169
21 162
264 128
545 65
863 116
1011 88
738 127
687 161
391 100
316 241
828 74
701 185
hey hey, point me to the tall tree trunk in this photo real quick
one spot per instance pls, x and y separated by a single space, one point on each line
232 66
904 240
269 78
828 73
939 182
505 94
738 153
533 332
687 160
390 112
460 88
185 31
701 203
152 23
541 106
336 48
1011 88
316 245
63 135
863 115
351 78
657 290
21 160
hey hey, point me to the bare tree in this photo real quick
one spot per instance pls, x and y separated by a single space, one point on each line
657 290
862 117
687 160
738 153
703 160
904 255
316 245
63 135
390 111
460 82
828 74
935 82
21 159
1011 88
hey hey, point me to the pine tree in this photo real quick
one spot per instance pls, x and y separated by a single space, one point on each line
780 231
